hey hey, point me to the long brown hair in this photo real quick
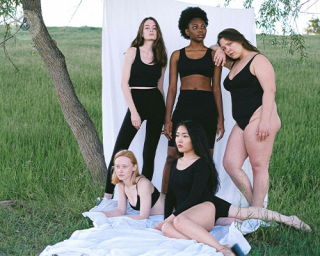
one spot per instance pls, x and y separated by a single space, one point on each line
129 154
235 36
158 47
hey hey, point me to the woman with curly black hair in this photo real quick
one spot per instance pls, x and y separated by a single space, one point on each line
200 95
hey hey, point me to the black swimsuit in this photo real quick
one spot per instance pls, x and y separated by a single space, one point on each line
154 198
190 187
246 94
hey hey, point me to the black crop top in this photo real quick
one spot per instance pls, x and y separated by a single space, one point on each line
144 75
246 94
154 198
203 66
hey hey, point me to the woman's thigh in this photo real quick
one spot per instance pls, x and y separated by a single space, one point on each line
259 151
203 214
236 152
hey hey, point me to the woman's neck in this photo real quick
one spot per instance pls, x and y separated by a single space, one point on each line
127 183
245 53
147 46
190 155
196 45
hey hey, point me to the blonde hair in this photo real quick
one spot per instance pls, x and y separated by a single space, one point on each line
129 154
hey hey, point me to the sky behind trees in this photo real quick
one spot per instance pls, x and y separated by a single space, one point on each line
90 12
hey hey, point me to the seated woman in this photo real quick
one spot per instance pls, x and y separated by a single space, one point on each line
192 184
139 191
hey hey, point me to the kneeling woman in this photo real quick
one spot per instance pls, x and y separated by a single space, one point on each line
139 191
192 184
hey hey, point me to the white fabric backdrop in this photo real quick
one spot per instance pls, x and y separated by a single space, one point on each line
120 25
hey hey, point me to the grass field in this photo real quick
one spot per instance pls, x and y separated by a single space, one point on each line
42 170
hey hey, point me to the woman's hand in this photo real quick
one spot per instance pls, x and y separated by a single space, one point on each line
159 225
219 57
167 129
220 130
263 130
136 120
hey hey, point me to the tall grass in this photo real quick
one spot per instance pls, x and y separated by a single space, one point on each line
43 172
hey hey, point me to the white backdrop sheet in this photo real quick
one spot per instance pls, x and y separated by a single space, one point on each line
120 25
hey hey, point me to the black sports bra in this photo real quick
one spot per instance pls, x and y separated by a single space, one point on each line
203 66
154 197
142 74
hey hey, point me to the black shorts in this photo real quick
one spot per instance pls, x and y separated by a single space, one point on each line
222 207
199 106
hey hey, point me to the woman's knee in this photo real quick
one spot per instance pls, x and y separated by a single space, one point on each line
229 164
167 229
179 222
172 155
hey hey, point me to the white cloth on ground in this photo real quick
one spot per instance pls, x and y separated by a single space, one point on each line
123 236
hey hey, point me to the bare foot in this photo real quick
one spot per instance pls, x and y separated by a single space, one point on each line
298 224
226 251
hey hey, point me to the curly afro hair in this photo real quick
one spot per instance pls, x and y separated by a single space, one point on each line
189 14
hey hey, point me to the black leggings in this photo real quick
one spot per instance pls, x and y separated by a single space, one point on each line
151 107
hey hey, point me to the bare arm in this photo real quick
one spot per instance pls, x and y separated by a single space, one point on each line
227 63
264 71
122 204
125 76
145 190
160 83
172 91
219 56
218 98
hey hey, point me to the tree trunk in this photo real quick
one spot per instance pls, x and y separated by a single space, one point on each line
74 113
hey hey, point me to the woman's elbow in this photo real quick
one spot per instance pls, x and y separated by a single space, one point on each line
143 216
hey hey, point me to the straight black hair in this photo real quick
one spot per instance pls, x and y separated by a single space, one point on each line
201 148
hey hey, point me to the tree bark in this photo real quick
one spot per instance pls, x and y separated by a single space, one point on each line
74 113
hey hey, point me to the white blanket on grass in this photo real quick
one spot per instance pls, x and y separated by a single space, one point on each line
123 236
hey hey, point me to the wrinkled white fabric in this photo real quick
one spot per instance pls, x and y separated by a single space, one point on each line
123 236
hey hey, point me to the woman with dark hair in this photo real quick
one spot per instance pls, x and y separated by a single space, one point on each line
191 209
142 85
251 82
200 94
135 188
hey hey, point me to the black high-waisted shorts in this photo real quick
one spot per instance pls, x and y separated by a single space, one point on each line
199 106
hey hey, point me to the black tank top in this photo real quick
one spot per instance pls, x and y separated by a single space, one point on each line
246 93
203 66
144 75
154 198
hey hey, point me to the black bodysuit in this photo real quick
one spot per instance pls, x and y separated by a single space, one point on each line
246 94
190 187
154 198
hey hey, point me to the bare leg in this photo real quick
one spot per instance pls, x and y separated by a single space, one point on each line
259 154
195 223
170 231
234 157
267 215
172 155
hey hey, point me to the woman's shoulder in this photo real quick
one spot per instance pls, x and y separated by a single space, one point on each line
260 61
143 184
175 54
260 58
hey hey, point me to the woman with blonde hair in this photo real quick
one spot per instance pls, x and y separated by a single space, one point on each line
135 188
